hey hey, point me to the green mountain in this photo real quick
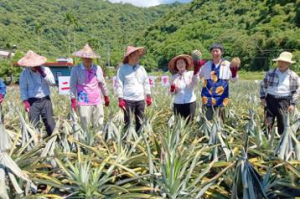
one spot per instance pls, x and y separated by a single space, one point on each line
57 27
256 31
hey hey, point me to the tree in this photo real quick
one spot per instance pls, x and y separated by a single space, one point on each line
38 31
72 23
8 70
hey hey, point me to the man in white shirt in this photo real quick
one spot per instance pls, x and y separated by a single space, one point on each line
35 81
280 91
133 86
216 74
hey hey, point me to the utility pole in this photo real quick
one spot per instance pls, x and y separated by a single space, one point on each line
10 55
108 54
108 46
123 21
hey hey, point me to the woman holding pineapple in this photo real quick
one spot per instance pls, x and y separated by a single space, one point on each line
182 86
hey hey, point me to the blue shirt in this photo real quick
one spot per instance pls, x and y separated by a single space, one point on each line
34 85
2 88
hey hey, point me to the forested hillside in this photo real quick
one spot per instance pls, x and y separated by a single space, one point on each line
61 26
255 30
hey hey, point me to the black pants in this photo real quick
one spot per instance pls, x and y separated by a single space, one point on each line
42 108
187 111
209 112
137 109
276 108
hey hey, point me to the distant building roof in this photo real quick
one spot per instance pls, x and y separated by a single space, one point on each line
58 64
64 59
5 53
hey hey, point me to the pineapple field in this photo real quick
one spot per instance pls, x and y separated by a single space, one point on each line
168 159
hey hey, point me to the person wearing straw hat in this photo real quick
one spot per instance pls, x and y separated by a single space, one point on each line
87 83
279 91
35 82
216 74
133 86
182 86
2 91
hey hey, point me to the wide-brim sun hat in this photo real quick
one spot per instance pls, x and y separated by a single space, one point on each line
132 49
285 57
172 63
31 59
86 52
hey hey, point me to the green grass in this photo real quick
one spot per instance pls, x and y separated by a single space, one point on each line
257 75
243 75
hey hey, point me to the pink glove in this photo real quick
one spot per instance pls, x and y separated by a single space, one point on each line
26 106
41 71
234 71
149 100
122 104
198 65
106 99
173 88
74 104
1 98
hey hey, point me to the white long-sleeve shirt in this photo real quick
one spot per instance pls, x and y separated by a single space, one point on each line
133 82
185 85
283 87
34 85
225 73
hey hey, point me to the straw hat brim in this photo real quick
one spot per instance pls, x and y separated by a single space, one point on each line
32 62
172 63
81 54
284 60
141 50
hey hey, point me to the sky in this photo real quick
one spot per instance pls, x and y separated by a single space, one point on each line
148 3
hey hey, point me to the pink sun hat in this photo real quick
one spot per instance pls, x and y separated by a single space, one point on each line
132 49
31 59
86 52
